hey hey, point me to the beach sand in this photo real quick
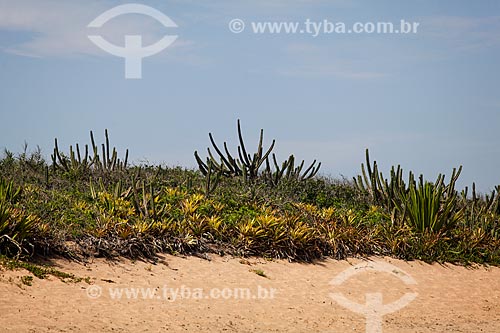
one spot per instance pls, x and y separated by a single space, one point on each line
226 294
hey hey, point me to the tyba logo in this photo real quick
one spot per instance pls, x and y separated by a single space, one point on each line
133 51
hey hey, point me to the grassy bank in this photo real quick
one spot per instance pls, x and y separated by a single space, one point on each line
85 203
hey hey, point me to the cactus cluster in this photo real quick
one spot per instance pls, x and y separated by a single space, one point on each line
106 162
212 178
248 166
478 206
288 170
380 190
426 206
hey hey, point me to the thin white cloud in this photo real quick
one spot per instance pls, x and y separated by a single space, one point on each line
59 28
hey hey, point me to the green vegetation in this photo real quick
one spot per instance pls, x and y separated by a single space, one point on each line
81 205
39 271
259 272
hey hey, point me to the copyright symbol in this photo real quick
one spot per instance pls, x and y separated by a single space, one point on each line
94 292
236 26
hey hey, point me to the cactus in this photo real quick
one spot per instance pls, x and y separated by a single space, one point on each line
274 177
289 171
76 164
425 206
211 180
296 172
248 166
380 190
479 206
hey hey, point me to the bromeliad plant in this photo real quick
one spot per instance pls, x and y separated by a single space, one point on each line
428 206
8 192
15 224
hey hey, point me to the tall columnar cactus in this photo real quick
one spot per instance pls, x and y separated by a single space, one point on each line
295 172
288 170
379 189
248 165
75 162
489 204
212 178
274 177
479 206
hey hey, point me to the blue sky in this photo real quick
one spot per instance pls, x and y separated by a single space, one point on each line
428 101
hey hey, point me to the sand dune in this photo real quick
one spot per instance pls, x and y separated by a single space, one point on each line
223 294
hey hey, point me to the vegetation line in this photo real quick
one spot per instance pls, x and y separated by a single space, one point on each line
89 202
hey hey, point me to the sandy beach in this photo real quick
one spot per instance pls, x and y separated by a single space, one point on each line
225 294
